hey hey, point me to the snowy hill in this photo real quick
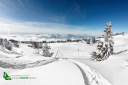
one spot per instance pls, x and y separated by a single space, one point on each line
74 66
61 72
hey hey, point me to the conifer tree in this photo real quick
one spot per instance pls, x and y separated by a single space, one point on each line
37 45
93 40
46 52
88 41
105 48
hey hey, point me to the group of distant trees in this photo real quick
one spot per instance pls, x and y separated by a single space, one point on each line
122 33
15 43
88 40
45 48
37 45
92 40
8 44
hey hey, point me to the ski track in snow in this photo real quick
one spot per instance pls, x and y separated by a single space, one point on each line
86 81
90 76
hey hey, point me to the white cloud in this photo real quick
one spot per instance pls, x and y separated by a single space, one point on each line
10 26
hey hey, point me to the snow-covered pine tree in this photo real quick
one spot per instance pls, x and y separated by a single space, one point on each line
15 43
46 52
37 45
105 48
108 39
6 44
88 41
93 39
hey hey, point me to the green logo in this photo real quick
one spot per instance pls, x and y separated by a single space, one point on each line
6 76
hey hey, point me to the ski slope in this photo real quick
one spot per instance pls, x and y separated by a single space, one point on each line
61 72
74 66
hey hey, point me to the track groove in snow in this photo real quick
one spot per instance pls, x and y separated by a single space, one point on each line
90 76
86 81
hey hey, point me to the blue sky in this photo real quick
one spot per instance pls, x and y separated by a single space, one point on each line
63 16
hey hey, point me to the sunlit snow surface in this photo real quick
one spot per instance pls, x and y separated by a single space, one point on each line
74 68
61 72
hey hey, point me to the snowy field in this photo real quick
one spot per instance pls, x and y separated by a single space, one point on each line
69 65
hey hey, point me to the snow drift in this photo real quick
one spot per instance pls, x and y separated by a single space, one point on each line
61 72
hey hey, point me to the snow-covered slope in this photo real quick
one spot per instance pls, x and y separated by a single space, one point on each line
66 72
114 69
90 76
8 54
61 72
73 50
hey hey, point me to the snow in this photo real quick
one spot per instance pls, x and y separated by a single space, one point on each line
90 75
74 66
114 69
6 53
74 50
58 73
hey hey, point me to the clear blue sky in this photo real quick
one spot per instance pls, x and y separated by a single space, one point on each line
88 15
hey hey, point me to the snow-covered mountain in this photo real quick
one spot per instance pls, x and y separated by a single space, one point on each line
42 37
